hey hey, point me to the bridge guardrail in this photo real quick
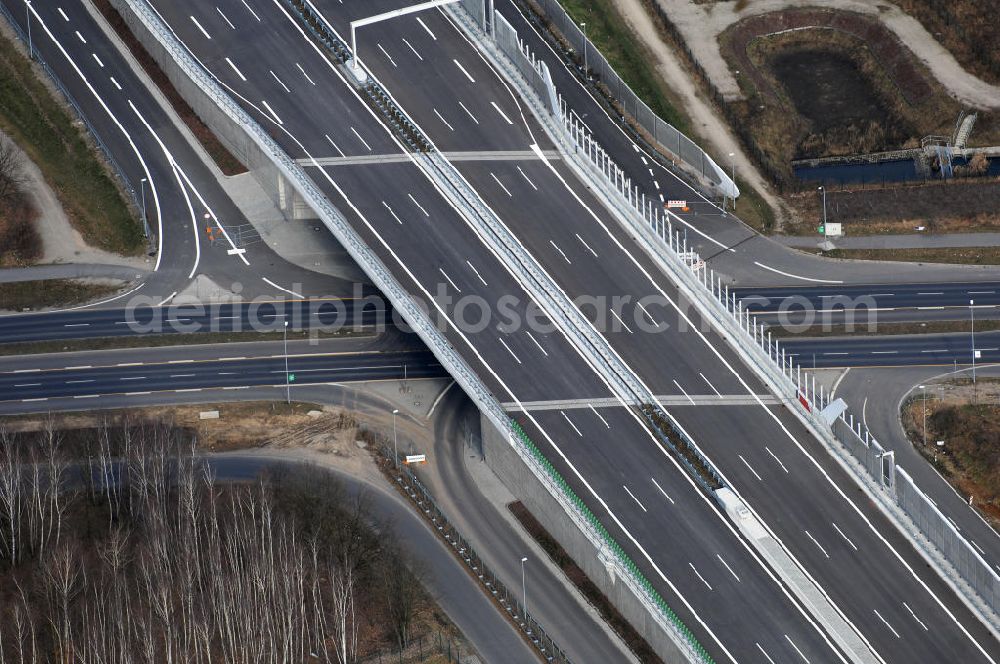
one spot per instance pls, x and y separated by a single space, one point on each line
849 443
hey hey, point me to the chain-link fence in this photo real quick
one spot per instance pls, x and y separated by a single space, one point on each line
507 599
658 130
77 110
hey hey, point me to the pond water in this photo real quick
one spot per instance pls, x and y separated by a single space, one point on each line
899 170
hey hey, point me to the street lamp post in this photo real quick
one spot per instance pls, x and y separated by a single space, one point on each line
823 190
924 388
972 321
27 12
524 591
145 221
732 164
586 66
288 384
395 453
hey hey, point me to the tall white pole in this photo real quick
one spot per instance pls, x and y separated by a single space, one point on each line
288 385
31 48
524 591
395 453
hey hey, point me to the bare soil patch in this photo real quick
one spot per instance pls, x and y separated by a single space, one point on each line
967 419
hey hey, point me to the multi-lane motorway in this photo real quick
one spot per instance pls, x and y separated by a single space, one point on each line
708 574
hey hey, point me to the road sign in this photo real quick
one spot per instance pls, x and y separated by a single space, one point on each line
415 458
821 229
291 378
676 204
834 229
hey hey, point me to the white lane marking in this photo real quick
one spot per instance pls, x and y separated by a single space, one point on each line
809 535
981 292
335 147
599 416
657 484
30 400
497 180
875 611
392 213
136 394
77 382
884 352
837 353
167 299
445 275
420 21
973 543
747 464
532 337
87 396
584 243
763 652
472 267
116 84
617 520
620 321
63 14
290 292
251 10
237 70
271 111
656 184
467 74
846 538
81 37
133 378
561 252
527 178
361 139
307 78
418 205
509 350
700 576
189 389
203 30
578 432
180 361
231 359
468 112
181 375
502 114
931 293
915 617
683 391
412 49
27 385
441 118
728 568
648 315
804 658
129 364
83 366
795 276
98 60
709 383
280 82
225 18
386 53
76 324
643 507
935 350
775 457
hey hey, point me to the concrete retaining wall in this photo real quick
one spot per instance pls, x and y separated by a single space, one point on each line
229 134
520 481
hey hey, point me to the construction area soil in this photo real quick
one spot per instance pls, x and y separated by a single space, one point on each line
953 206
821 83
967 418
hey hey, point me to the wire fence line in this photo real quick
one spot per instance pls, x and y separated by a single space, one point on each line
662 133
899 497
503 596
119 172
